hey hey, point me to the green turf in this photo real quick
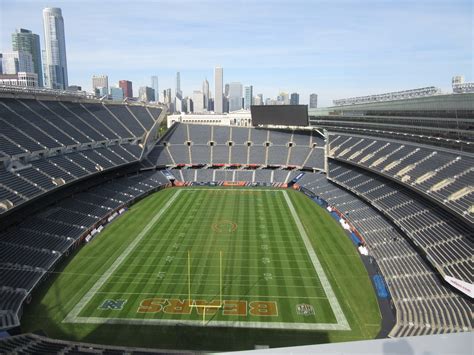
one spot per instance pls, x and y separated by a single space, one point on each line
265 262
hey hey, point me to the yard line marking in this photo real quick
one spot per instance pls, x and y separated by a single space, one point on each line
336 308
148 274
210 284
272 267
174 294
103 279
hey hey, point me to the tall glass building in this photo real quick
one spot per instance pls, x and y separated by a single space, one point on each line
218 87
248 99
27 41
235 96
55 63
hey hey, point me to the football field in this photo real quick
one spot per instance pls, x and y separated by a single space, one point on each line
240 257
217 257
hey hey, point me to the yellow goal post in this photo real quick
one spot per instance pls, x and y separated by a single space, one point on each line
204 306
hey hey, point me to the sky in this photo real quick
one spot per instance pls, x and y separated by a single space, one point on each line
335 48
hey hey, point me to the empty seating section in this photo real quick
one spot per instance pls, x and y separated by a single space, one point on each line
104 116
57 141
58 116
298 156
423 304
244 175
205 175
447 241
26 114
221 135
234 175
89 122
143 116
239 154
36 344
10 303
200 134
220 154
17 123
257 155
127 119
446 176
277 155
180 153
238 145
200 154
32 247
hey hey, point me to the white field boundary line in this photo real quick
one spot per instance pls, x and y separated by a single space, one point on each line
214 323
73 315
336 308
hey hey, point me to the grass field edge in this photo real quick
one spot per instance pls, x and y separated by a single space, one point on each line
74 314
336 307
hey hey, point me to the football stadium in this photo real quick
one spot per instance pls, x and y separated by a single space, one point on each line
355 224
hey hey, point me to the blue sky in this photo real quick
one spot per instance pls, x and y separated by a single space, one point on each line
334 48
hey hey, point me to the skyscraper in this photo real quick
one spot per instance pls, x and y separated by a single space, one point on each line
26 41
313 101
146 93
116 93
100 81
198 101
55 63
205 91
248 97
127 88
154 85
235 96
17 61
283 99
178 97
294 99
178 83
218 87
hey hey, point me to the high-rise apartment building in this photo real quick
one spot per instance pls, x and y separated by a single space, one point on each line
283 99
294 99
218 87
127 88
313 101
178 97
248 97
100 81
205 92
146 94
54 59
235 96
17 61
154 85
198 101
178 83
116 93
27 41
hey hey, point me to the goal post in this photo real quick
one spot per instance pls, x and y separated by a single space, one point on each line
205 306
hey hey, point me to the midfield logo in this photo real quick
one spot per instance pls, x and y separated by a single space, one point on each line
112 304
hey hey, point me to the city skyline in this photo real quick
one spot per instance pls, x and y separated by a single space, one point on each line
368 53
